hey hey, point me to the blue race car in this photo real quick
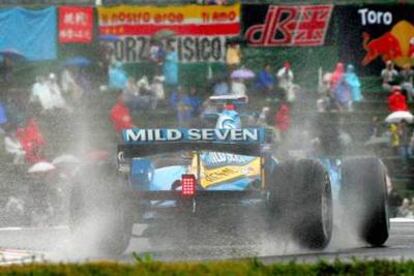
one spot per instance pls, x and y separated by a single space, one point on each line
196 183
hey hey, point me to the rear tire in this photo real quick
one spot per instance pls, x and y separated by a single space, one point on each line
300 202
363 196
100 218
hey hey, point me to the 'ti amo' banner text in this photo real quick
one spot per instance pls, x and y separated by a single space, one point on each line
200 31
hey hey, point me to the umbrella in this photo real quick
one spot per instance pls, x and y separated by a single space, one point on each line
242 74
398 116
65 159
78 61
109 38
42 166
12 54
164 33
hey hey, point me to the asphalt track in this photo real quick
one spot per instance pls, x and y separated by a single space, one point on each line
52 244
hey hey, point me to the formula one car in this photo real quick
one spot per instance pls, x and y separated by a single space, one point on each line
193 177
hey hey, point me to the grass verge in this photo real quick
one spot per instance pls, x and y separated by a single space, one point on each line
248 267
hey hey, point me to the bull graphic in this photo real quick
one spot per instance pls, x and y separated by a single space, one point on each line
386 46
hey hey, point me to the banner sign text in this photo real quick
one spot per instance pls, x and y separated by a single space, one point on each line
75 24
200 31
142 136
282 26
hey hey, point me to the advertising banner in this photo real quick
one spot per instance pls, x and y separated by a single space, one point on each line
224 168
75 24
372 34
286 25
198 32
29 32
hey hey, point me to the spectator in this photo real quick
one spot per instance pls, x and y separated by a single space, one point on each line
147 98
394 138
138 95
395 201
195 101
353 83
337 76
157 87
55 92
265 81
47 93
3 116
156 52
411 146
13 146
263 119
285 80
170 68
118 77
345 139
131 94
41 94
343 95
397 101
404 210
238 88
389 75
120 116
184 108
404 137
32 141
69 85
374 128
221 88
323 103
233 56
15 109
283 120
6 69
84 79
406 76
105 54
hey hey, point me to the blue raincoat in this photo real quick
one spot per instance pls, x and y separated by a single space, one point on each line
353 83
3 115
342 92
170 68
118 78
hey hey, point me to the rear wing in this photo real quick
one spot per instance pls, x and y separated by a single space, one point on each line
146 142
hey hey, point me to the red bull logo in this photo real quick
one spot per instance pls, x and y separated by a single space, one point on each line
396 45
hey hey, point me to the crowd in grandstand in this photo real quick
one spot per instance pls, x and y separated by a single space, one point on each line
65 92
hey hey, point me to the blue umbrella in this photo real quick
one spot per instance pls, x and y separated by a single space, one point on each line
13 54
109 38
78 61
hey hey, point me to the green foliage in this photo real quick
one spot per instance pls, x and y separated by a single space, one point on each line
146 266
143 258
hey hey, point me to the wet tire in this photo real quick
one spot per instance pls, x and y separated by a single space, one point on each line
363 197
100 214
300 202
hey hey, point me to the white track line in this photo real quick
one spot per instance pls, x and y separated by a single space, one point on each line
402 220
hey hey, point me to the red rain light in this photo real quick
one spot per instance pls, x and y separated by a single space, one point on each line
188 185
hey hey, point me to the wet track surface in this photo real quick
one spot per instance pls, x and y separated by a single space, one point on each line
53 244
